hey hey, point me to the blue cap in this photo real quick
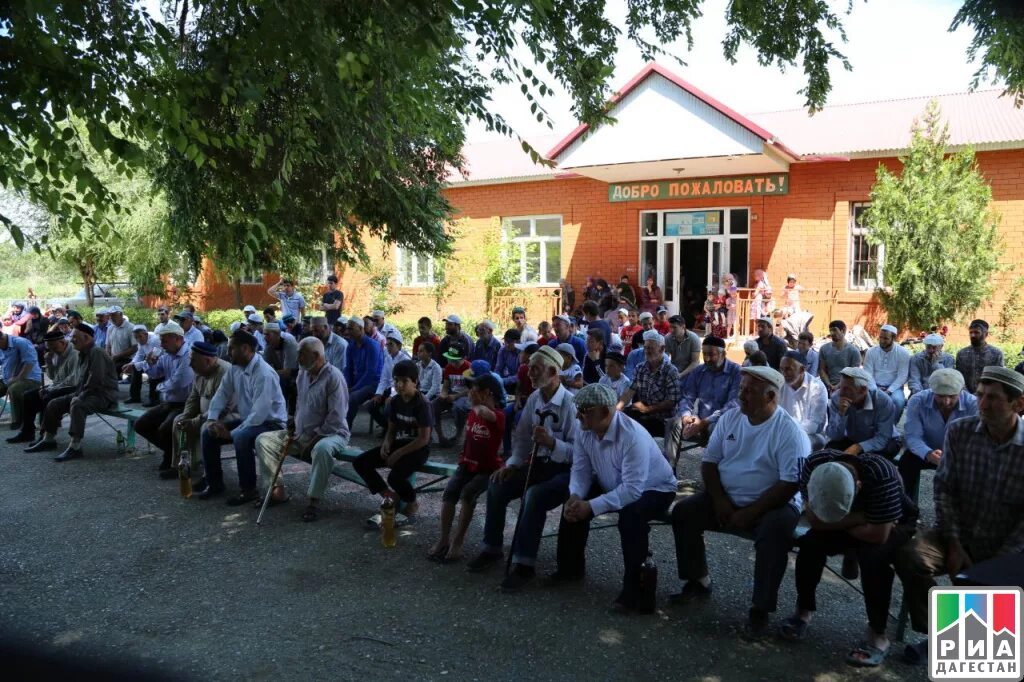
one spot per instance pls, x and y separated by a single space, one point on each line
204 348
480 367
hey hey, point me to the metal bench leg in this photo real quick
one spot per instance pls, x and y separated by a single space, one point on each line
130 436
901 621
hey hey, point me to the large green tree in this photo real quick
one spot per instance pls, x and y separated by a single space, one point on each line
939 233
278 122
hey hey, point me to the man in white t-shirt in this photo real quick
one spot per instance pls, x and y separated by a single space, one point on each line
751 472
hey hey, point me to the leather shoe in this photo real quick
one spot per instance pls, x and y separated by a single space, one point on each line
209 492
22 438
243 497
69 454
42 446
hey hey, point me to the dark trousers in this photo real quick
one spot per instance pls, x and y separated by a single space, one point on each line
634 529
917 564
876 568
548 488
355 400
244 441
157 424
366 466
135 387
772 535
34 405
377 413
79 407
653 423
911 466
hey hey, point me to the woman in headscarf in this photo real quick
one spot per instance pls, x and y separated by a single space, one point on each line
761 302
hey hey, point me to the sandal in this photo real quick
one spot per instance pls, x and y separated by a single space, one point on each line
793 629
870 656
310 513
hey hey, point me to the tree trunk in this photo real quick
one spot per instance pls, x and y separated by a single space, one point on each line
88 273
237 281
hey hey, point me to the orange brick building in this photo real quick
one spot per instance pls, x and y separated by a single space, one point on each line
687 190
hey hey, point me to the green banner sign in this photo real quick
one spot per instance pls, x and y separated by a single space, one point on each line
698 188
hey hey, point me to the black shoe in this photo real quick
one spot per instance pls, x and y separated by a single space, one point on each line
168 474
756 626
208 492
42 446
15 426
243 497
518 578
691 591
69 454
132 400
483 561
562 578
22 438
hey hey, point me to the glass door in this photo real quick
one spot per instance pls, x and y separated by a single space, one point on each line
669 285
717 260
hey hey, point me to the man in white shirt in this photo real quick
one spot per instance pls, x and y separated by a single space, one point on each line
187 320
254 389
888 363
146 344
619 460
751 471
395 354
385 328
120 340
805 398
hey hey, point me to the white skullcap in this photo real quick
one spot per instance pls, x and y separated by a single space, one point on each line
830 492
653 335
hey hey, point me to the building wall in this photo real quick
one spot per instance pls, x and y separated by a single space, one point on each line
805 232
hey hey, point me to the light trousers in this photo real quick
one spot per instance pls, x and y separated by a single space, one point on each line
322 457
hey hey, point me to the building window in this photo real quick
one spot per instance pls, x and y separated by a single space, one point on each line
417 270
865 258
251 276
538 241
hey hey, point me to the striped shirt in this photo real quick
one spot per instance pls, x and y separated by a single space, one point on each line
651 387
979 490
880 497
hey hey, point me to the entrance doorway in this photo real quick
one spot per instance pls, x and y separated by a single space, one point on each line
689 253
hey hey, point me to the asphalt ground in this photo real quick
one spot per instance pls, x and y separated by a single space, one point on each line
105 566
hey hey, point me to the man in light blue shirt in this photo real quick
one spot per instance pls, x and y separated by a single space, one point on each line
929 414
616 466
292 302
101 327
888 363
172 367
927 361
705 393
187 321
751 471
146 344
253 387
861 417
21 373
335 347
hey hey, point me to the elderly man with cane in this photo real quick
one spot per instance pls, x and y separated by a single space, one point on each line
541 479
318 432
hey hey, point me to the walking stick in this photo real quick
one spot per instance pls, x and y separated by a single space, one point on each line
543 415
277 472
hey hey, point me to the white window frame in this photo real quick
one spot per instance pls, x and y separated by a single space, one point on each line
542 241
400 257
251 278
859 231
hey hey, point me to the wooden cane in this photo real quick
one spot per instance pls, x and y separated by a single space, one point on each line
526 484
273 481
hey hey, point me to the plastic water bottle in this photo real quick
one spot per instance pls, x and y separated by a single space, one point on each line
648 585
388 538
185 474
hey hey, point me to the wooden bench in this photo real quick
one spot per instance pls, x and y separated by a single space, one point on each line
441 471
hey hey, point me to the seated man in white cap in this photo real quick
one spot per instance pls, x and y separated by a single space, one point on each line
120 342
320 429
861 418
486 346
854 503
654 393
616 466
395 354
146 345
805 398
382 325
888 363
929 415
547 427
927 361
751 471
454 336
979 498
171 369
254 325
705 394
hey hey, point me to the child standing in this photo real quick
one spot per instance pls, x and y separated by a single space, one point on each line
479 459
406 444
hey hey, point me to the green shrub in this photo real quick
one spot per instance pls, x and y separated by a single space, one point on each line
222 319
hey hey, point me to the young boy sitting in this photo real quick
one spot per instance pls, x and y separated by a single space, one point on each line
572 373
614 365
480 458
406 444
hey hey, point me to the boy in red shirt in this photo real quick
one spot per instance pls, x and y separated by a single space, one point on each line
484 430
661 321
